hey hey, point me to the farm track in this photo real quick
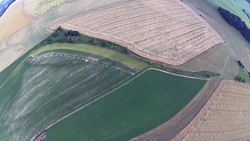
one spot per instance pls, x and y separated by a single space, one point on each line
79 57
66 89
113 115
149 29
224 117
111 90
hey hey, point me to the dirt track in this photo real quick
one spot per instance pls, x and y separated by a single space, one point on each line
165 31
226 116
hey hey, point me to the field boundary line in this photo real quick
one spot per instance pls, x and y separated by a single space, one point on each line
114 88
175 74
98 97
95 99
13 71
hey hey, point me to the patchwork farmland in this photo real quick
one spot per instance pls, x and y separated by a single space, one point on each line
102 84
32 34
225 116
165 31
50 85
141 104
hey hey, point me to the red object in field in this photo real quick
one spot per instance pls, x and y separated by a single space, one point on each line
41 136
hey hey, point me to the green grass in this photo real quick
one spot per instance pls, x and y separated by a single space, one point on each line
137 107
137 63
234 7
243 75
4 75
95 50
40 85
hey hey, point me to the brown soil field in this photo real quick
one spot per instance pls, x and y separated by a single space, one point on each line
164 31
171 128
32 34
13 20
226 115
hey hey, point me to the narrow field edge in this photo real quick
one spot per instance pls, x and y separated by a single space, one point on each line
113 89
108 53
168 130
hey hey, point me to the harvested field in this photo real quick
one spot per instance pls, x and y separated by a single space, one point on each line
49 86
135 107
13 20
218 59
224 117
32 34
232 37
164 31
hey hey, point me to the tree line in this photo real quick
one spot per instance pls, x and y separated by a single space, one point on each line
236 22
239 79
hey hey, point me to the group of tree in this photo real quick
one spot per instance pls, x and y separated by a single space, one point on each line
62 35
239 79
236 22
243 67
240 64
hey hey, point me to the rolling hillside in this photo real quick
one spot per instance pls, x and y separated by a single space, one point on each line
50 85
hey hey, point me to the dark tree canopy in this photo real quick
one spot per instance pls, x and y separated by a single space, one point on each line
236 22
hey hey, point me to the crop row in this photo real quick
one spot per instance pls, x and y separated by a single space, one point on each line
158 30
224 117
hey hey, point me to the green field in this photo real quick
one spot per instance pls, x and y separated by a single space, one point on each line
243 75
50 85
100 51
234 6
140 105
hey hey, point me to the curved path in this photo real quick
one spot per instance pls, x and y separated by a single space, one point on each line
112 89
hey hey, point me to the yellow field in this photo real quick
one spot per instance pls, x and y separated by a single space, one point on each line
164 31
38 7
226 116
32 34
13 20
95 50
